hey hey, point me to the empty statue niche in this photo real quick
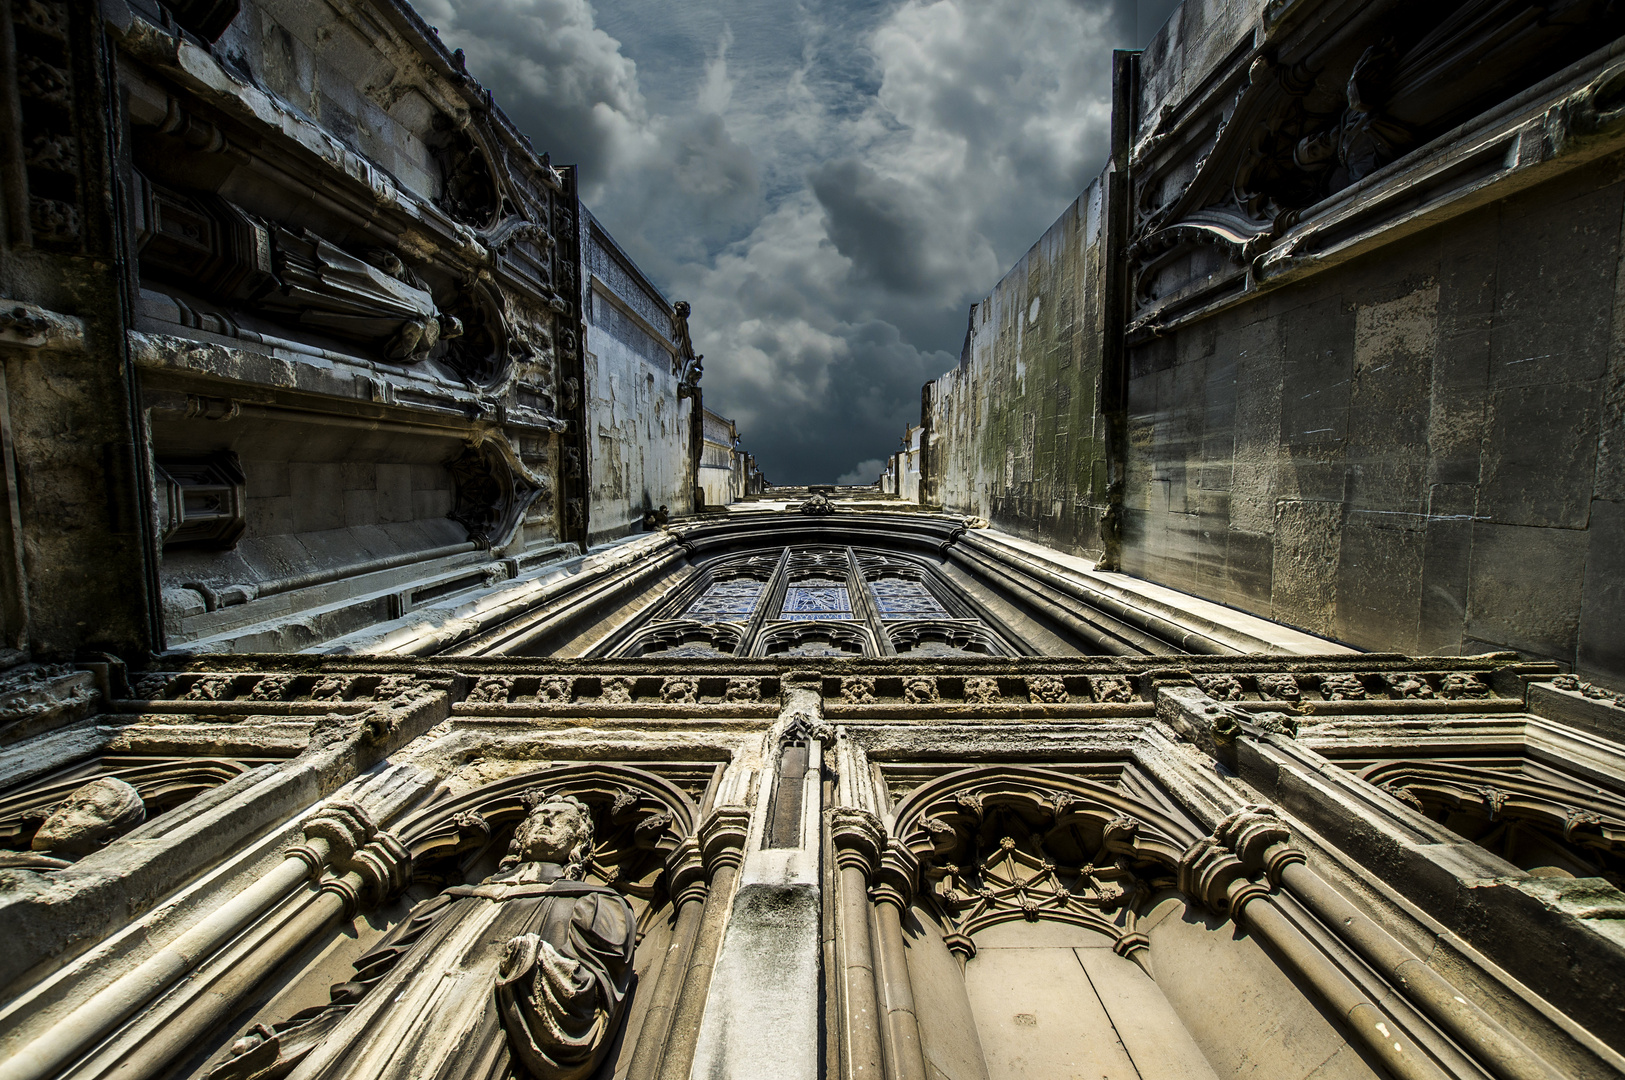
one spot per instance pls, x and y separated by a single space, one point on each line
1048 937
1540 820
316 501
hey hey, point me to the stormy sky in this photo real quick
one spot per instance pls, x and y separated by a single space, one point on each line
831 183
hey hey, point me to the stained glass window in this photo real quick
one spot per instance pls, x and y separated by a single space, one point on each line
727 601
816 599
898 598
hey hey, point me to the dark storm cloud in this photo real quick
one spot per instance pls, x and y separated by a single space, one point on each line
830 184
877 223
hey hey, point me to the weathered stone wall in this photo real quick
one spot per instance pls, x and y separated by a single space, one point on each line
1418 451
1372 375
722 466
1014 432
639 428
72 569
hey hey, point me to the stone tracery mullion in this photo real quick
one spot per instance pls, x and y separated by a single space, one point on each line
772 596
858 588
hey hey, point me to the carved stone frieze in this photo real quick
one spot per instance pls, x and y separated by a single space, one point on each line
1342 686
982 690
743 690
1112 688
920 690
857 689
1048 689
680 691
1279 687
1221 687
45 190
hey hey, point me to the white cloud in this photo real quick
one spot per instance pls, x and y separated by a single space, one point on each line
835 184
864 472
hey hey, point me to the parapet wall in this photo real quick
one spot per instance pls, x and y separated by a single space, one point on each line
1365 353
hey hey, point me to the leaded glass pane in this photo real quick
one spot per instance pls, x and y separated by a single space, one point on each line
901 599
816 602
727 601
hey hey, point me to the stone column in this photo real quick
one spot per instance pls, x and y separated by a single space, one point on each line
686 871
1501 1053
762 1008
340 833
858 838
894 887
722 848
1264 847
1215 870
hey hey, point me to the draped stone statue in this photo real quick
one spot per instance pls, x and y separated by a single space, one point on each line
377 300
524 975
92 816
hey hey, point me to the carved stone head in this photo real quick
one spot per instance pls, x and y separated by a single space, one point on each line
91 817
558 829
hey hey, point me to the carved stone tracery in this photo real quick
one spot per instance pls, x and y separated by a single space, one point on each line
996 845
492 493
1548 825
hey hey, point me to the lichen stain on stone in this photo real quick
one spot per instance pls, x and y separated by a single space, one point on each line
1018 414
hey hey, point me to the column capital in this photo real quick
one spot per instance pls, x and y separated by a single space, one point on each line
685 870
333 834
722 837
859 838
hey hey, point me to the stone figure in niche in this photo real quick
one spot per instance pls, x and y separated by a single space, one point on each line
376 300
523 975
90 818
